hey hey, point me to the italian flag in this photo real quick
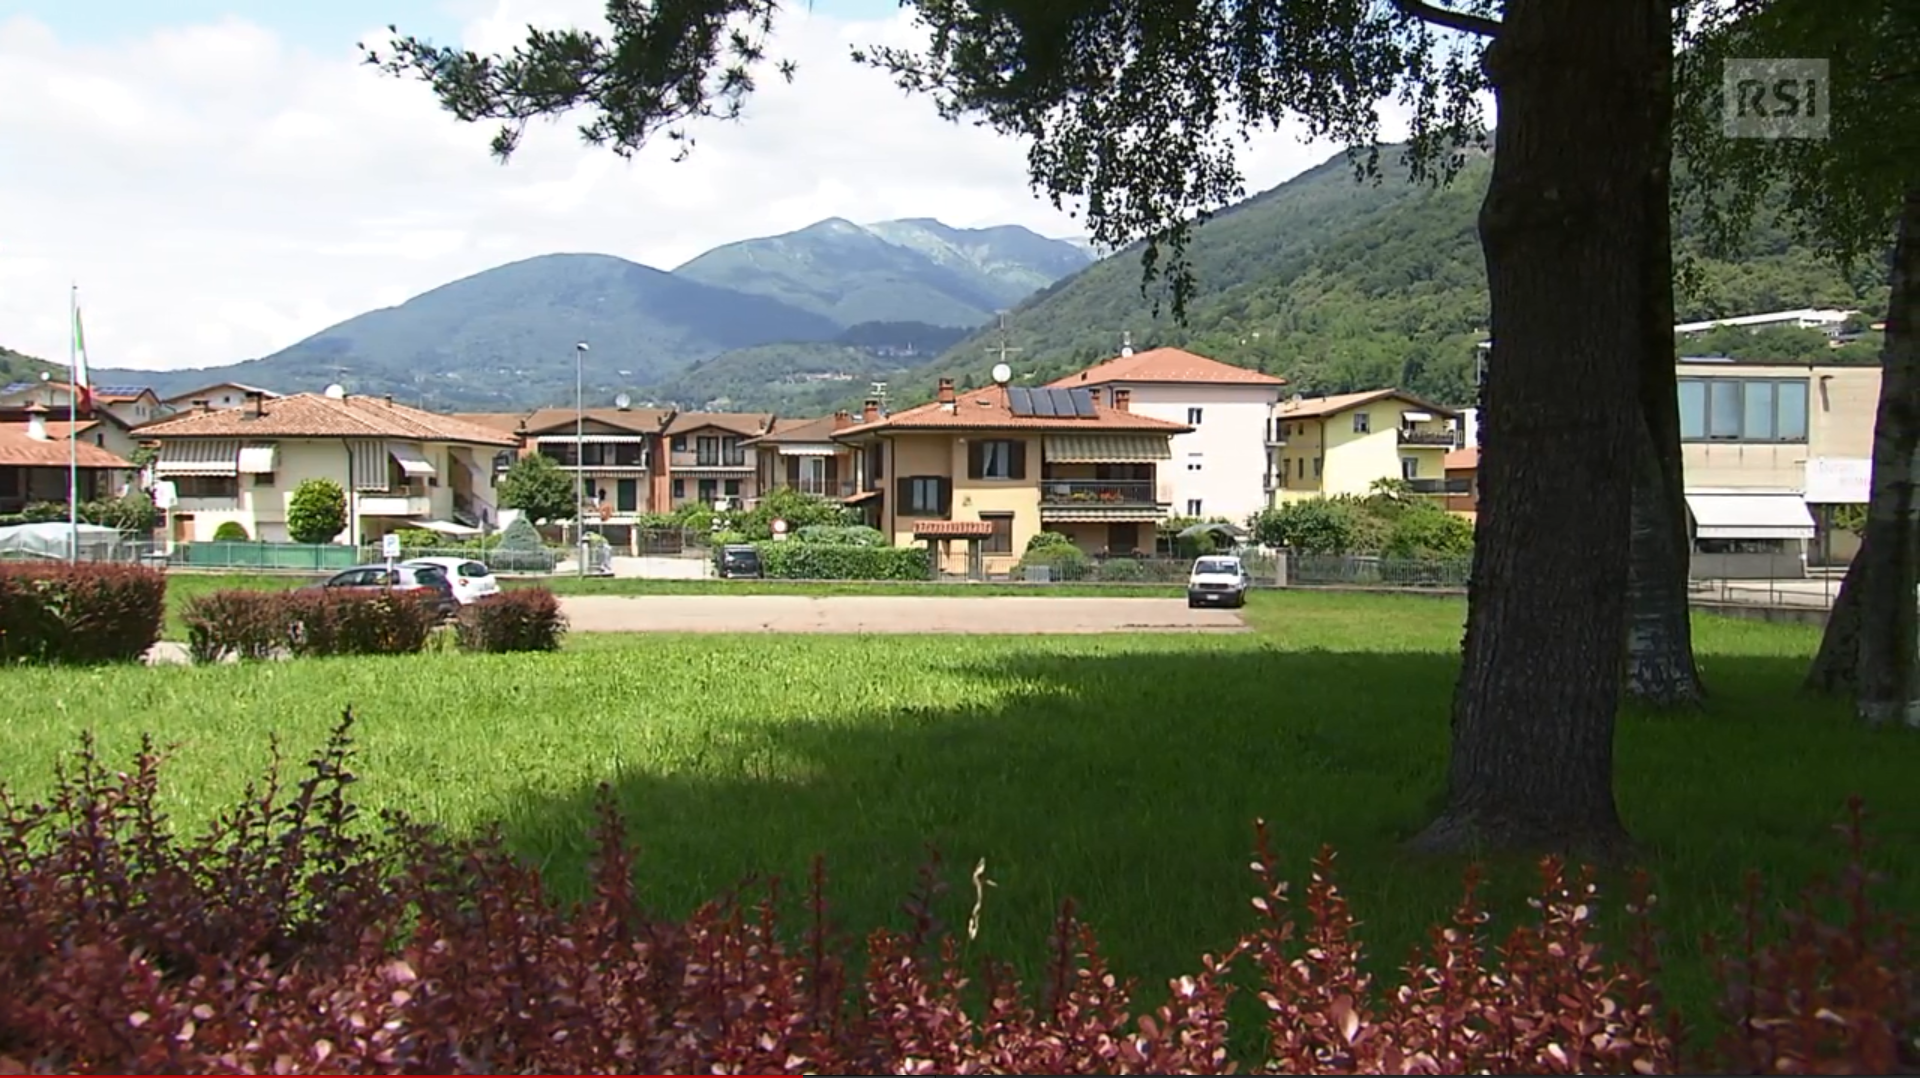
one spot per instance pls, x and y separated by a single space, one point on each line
82 388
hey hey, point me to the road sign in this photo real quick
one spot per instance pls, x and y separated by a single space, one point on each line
779 526
390 546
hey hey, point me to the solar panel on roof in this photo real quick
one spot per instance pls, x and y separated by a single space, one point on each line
1019 400
1043 402
120 391
1082 403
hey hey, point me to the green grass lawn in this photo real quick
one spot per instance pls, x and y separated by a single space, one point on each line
1124 771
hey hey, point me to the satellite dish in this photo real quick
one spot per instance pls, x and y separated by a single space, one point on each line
337 391
622 402
1002 374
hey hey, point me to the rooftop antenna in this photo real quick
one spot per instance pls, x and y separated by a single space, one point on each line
1126 342
1002 350
878 391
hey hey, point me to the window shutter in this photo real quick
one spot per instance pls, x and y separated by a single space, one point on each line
975 453
903 495
1017 460
946 496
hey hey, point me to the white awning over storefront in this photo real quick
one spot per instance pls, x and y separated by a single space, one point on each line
1726 514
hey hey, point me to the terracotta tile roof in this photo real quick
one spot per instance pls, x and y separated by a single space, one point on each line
504 422
205 390
18 450
986 409
952 529
636 420
794 431
1315 407
1464 460
1168 365
747 423
312 415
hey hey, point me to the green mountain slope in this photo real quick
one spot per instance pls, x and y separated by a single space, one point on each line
806 378
1340 285
20 367
900 271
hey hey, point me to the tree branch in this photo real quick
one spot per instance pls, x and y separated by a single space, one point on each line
1452 20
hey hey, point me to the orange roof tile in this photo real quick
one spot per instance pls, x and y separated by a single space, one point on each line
1464 460
986 409
18 450
789 431
1168 365
312 415
561 420
751 424
1315 407
504 422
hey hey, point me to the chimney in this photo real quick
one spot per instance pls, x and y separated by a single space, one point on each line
202 405
388 397
870 411
1094 392
946 391
256 403
37 421
842 419
1122 398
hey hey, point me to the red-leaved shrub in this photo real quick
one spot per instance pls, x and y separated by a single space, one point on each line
517 619
294 938
260 624
242 622
80 613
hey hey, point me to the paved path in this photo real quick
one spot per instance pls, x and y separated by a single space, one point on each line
889 614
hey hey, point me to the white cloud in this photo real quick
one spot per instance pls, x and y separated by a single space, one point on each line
219 194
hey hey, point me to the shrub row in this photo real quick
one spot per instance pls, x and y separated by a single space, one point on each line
792 560
79 613
259 624
291 938
517 619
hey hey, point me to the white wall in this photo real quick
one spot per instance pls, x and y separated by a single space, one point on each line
1229 444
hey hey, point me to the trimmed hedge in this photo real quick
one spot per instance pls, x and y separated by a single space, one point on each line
309 622
791 560
80 613
517 619
291 937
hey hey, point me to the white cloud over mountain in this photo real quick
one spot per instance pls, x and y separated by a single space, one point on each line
219 193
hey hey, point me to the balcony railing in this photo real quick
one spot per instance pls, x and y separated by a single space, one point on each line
389 505
1426 437
1460 486
1093 492
838 488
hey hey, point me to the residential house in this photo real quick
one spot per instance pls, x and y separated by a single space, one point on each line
1345 443
217 396
1770 451
800 454
990 468
616 452
707 457
401 467
35 457
1463 481
1222 466
108 423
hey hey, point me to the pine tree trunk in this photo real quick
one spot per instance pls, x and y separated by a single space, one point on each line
1661 671
1564 228
1887 689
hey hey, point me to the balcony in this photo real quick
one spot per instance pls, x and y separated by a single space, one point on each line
1098 492
838 488
387 505
610 462
1458 487
1443 439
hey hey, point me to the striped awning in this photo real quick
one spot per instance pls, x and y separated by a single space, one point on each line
809 450
409 458
199 456
1107 448
1060 514
258 459
592 439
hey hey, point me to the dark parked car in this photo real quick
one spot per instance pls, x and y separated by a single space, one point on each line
400 578
738 561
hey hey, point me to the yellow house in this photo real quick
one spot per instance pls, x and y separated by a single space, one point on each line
1343 444
975 474
400 467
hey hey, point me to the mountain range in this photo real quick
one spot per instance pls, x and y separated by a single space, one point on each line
504 338
1334 283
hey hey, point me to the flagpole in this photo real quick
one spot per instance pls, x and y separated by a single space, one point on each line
73 424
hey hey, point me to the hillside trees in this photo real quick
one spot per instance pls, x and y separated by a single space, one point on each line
1135 107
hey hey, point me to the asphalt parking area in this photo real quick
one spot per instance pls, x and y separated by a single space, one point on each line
889 614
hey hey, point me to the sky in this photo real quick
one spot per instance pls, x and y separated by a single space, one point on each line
222 178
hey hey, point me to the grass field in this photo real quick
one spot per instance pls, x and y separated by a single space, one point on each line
1124 771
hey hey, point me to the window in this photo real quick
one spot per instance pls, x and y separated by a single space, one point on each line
626 495
707 452
1362 423
924 495
731 454
1193 462
1743 409
731 488
1123 538
263 479
709 491
593 453
679 489
1193 507
1316 467
1300 467
997 459
1193 417
1409 467
207 486
679 443
1001 541
876 462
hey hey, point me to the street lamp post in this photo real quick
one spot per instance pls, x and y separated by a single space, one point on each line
580 455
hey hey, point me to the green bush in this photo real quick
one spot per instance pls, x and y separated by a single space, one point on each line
231 531
519 619
1120 571
1049 541
821 561
841 535
721 539
79 614
520 549
1429 533
133 511
359 621
799 510
1063 562
317 511
242 622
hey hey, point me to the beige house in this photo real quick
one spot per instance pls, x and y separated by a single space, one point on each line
37 463
217 396
401 467
1345 443
708 460
1771 451
977 473
108 424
